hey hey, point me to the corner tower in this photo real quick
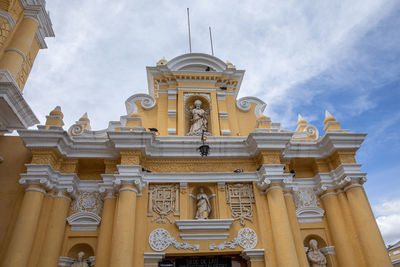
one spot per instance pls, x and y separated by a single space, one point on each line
24 24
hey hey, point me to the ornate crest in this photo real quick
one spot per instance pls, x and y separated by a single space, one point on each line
163 200
240 197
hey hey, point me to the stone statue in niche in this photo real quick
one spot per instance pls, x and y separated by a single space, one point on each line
203 204
314 256
80 262
198 122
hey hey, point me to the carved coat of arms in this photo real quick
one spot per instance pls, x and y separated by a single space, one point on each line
240 197
163 200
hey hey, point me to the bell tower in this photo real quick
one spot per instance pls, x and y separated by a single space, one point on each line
24 24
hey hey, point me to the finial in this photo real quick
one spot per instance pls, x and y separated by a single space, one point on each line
330 123
55 118
84 121
300 120
328 117
162 61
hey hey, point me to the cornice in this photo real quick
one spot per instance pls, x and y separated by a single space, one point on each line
324 146
15 113
36 9
95 146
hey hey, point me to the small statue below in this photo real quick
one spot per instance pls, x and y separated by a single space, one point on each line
198 122
203 204
315 257
80 262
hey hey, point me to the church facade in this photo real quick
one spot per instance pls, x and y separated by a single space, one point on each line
191 175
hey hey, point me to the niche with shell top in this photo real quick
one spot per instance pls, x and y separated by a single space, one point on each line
211 197
189 100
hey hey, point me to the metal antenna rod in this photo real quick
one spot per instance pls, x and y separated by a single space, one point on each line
212 47
190 41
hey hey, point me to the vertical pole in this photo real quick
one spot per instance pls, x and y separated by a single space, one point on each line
190 41
212 48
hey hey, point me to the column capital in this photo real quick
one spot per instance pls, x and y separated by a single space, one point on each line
269 174
45 176
127 175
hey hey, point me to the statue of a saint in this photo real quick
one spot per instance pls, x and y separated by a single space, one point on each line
315 257
198 120
80 262
203 205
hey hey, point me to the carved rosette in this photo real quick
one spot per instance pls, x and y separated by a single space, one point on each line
160 240
86 210
87 202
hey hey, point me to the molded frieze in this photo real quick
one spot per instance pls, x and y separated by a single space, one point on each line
86 210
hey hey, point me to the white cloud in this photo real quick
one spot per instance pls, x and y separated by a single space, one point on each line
388 219
99 56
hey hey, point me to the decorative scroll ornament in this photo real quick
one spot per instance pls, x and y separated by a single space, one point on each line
163 200
244 104
240 197
160 240
147 102
246 238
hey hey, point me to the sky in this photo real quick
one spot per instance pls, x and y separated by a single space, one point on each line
300 57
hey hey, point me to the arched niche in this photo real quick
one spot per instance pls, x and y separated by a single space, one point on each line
75 249
207 190
189 99
321 244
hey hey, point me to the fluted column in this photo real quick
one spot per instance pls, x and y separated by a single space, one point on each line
371 240
103 250
55 233
294 225
124 228
24 230
15 53
337 227
283 239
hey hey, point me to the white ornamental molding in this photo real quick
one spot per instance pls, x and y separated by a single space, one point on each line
46 176
309 131
306 202
244 105
160 239
273 174
86 211
246 238
147 102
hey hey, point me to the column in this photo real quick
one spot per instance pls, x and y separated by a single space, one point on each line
124 228
371 240
55 232
283 239
24 230
351 229
337 227
103 250
294 225
19 47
